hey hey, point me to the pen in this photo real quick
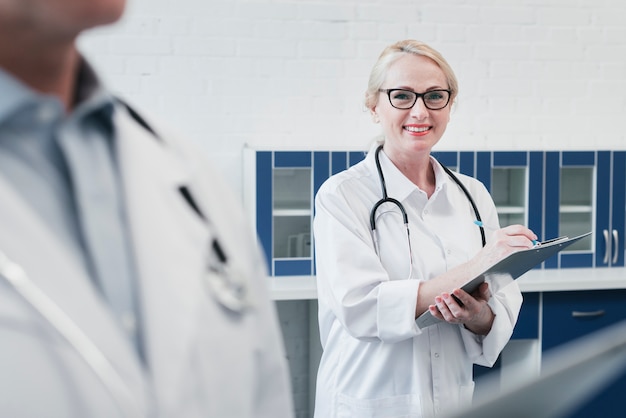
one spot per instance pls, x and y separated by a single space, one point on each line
493 228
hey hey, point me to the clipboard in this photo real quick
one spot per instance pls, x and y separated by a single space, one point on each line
511 268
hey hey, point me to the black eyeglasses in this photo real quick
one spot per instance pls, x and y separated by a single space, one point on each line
406 99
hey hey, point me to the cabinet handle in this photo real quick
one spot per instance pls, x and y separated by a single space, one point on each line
607 246
579 314
615 246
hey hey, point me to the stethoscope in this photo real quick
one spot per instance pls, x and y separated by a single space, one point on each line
224 282
405 218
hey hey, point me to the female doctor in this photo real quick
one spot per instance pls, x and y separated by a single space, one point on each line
377 272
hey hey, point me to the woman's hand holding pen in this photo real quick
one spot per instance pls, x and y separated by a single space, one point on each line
504 242
459 307
492 228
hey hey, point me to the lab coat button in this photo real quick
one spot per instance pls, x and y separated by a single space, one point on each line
436 355
425 211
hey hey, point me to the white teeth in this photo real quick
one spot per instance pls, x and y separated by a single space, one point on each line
415 129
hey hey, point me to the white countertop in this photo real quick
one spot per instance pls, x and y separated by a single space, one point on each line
553 280
573 279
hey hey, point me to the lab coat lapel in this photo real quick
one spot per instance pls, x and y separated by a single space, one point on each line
170 242
27 241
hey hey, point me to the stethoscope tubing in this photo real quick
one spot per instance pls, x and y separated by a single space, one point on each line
405 219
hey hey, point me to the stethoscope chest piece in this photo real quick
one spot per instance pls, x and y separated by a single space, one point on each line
228 289
226 283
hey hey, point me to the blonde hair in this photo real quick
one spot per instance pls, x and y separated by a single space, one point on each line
391 54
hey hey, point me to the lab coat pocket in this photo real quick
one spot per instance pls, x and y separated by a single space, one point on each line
466 392
403 406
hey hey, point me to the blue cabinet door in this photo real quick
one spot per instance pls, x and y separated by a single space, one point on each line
570 179
284 227
518 194
611 209
602 176
527 326
569 315
291 227
618 214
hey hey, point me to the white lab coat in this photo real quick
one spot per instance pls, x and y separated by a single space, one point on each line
203 360
376 362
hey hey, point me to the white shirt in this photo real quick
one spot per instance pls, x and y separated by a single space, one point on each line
376 361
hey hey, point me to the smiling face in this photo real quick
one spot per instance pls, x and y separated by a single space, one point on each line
412 131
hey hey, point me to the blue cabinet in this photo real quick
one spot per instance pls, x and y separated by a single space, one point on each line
570 315
284 189
514 179
283 210
527 326
555 193
585 192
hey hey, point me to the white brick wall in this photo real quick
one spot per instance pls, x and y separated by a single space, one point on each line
291 73
534 74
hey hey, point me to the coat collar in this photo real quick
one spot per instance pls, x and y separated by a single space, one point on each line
14 95
398 185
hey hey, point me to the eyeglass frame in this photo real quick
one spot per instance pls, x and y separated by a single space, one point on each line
417 96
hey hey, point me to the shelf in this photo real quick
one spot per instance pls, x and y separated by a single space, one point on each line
509 210
575 209
291 212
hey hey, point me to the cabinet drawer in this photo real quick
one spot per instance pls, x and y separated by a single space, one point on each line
569 315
